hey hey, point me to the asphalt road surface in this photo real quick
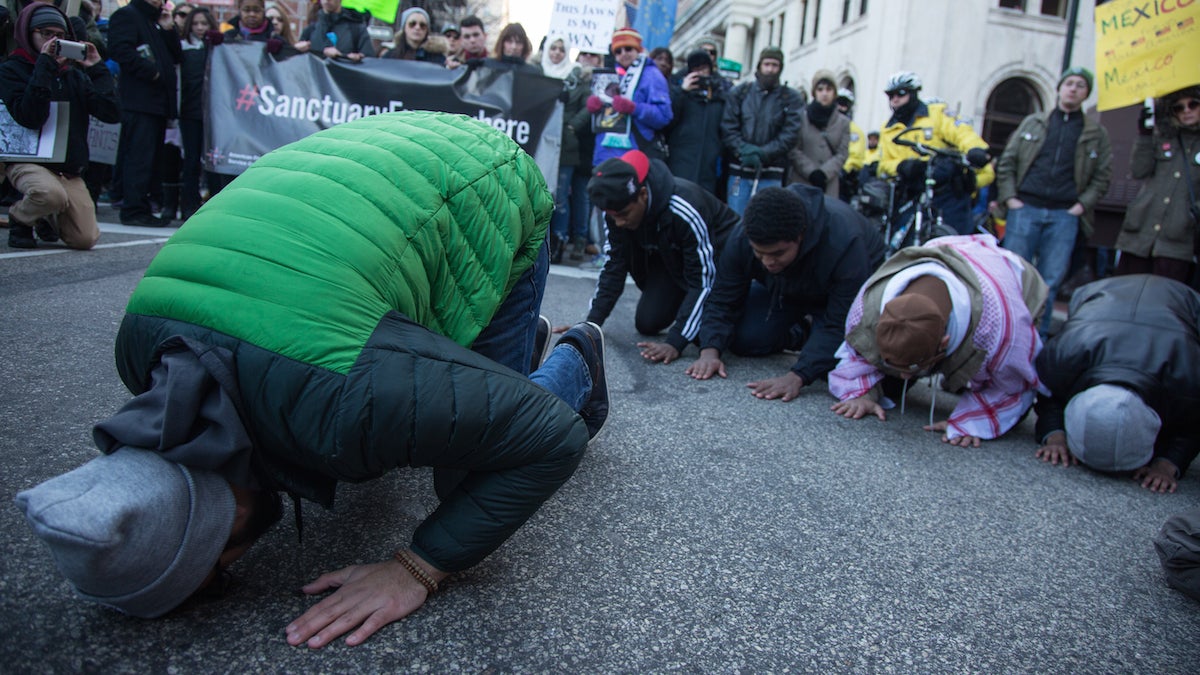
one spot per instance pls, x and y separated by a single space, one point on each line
705 531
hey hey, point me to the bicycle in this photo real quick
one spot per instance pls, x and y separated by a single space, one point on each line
922 221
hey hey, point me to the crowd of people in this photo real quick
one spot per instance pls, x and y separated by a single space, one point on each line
729 205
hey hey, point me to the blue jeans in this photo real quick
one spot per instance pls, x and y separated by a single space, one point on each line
508 340
1045 238
764 329
740 187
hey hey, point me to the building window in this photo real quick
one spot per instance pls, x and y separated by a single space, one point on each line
1054 8
1018 5
846 11
862 9
816 17
1007 105
803 21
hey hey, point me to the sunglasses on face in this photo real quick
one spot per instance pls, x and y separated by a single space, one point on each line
896 93
181 14
622 50
417 24
711 52
1190 104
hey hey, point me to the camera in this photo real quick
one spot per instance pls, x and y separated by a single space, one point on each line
704 82
76 51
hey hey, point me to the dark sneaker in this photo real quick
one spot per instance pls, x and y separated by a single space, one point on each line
541 343
588 339
145 221
20 236
46 230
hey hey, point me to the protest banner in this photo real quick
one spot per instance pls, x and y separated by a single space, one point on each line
47 145
256 104
588 24
1145 48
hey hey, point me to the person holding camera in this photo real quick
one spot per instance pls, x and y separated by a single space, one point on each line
694 136
45 67
1055 168
1159 234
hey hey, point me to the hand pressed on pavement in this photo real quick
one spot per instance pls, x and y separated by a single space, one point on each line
368 597
961 441
707 365
857 408
785 387
1158 476
1055 450
658 351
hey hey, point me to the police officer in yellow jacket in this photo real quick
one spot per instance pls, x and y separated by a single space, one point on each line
858 147
954 184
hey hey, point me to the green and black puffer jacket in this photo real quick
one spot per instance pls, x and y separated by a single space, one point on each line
347 274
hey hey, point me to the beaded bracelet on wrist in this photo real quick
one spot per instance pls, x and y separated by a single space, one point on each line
417 573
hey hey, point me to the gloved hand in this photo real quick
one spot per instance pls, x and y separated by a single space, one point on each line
751 156
594 104
213 38
1146 122
911 169
943 170
818 179
623 105
978 157
274 45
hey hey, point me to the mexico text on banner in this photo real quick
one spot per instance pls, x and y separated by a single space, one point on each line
1145 48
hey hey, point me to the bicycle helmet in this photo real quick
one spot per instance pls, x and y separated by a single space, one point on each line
904 79
845 96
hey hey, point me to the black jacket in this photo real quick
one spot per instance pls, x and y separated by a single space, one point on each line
1140 332
694 135
29 83
685 225
191 82
148 83
839 251
767 118
350 29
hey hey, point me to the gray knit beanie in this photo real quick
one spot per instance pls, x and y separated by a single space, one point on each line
1110 428
132 530
47 16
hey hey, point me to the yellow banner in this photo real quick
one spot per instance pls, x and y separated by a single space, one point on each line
1145 48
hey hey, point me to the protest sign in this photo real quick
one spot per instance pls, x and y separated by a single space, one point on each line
255 104
588 24
1145 48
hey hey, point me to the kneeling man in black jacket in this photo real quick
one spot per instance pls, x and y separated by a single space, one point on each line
1123 381
786 281
668 233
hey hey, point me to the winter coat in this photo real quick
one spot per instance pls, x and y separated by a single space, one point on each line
350 29
433 50
651 114
694 136
1141 332
839 250
1093 162
1157 222
576 131
30 81
823 150
685 225
940 129
768 119
148 83
192 64
347 285
857 157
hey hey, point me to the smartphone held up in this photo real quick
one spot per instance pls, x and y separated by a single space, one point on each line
76 51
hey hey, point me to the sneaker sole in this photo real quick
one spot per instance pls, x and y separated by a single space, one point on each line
601 381
541 343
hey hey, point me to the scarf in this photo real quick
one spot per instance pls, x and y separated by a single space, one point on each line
819 114
561 69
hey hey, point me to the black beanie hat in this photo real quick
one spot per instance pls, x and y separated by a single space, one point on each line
698 58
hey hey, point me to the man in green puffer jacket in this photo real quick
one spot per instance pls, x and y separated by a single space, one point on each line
347 306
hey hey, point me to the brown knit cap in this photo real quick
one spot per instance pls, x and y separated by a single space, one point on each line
912 325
